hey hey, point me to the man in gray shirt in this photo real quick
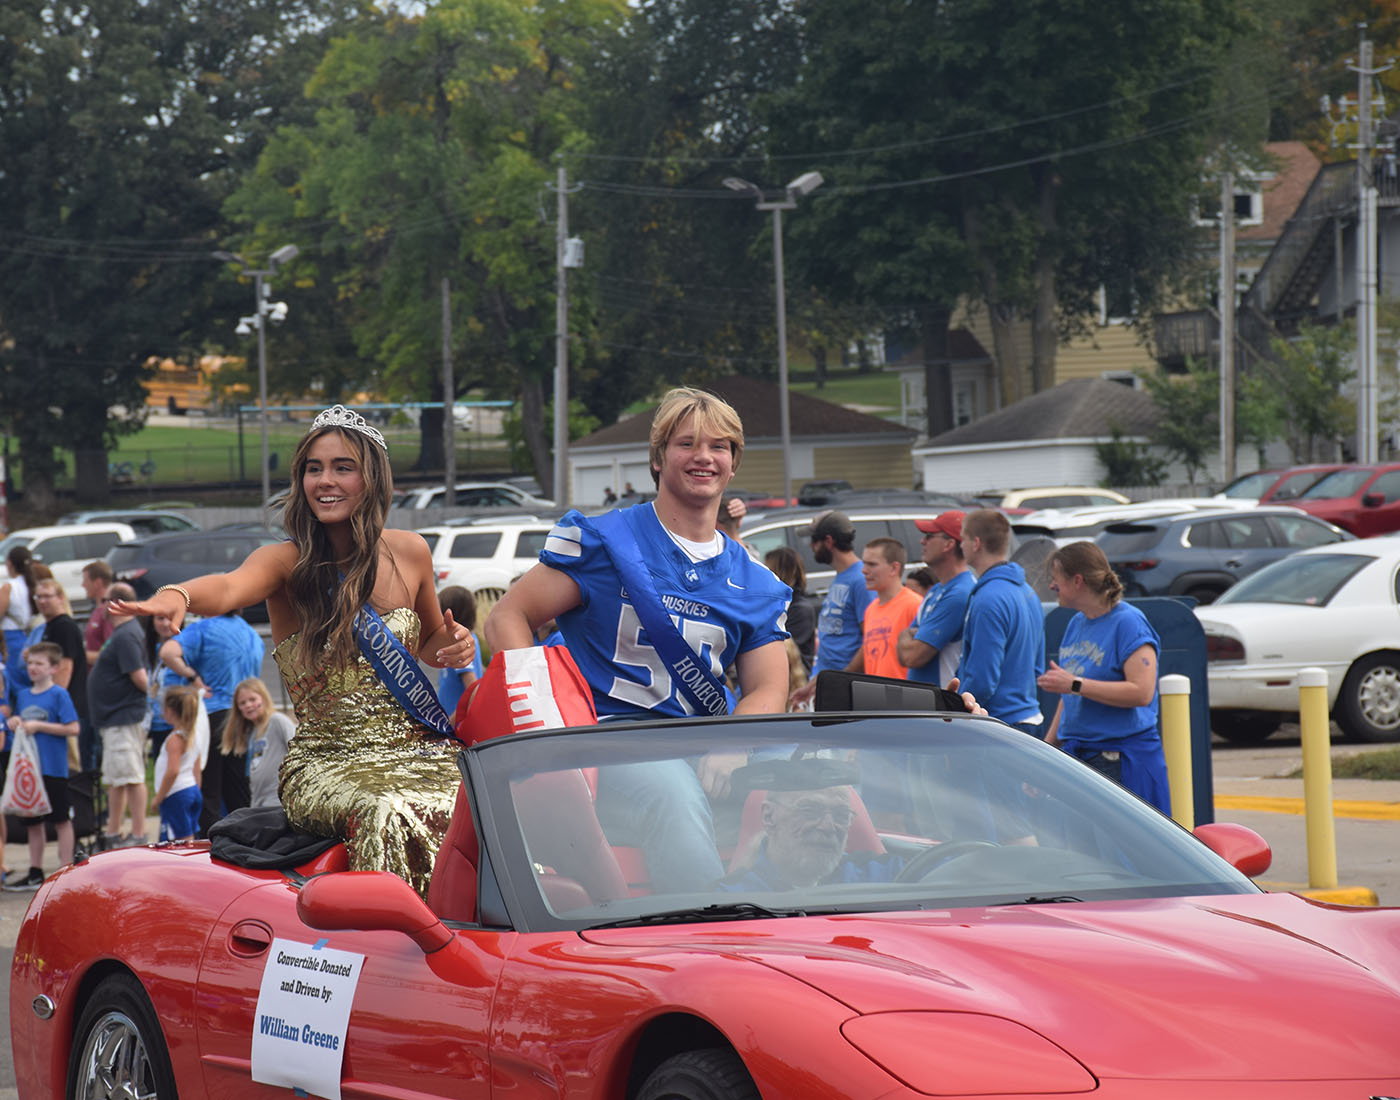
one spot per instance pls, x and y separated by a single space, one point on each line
117 707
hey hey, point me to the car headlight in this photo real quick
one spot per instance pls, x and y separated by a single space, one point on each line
957 1053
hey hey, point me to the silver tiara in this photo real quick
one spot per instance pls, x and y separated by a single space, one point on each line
338 416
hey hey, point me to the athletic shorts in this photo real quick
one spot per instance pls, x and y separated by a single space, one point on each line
179 814
123 755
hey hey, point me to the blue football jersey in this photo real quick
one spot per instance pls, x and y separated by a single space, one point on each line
722 607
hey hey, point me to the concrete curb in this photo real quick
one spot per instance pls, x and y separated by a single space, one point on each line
1341 895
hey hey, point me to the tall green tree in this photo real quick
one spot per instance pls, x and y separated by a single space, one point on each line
1307 375
1026 155
430 158
1189 425
679 279
121 129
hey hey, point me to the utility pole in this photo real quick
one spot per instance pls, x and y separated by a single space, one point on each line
1367 420
1227 323
449 402
561 344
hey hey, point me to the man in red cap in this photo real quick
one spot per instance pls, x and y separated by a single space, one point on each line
931 645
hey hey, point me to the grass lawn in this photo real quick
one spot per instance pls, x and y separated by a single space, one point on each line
877 390
210 453
1376 764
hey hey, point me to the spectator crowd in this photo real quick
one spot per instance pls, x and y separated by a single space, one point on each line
132 713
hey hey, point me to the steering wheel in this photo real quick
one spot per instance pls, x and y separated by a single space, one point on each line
918 867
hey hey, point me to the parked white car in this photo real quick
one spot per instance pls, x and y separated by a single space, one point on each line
1066 525
1332 607
498 495
485 555
67 549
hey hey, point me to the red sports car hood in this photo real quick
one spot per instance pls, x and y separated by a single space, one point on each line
1222 987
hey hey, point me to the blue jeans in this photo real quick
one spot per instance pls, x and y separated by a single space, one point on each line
661 808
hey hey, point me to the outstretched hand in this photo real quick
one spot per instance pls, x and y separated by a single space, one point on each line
171 603
461 650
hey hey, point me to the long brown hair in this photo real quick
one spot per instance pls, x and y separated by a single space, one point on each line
238 729
1087 560
325 604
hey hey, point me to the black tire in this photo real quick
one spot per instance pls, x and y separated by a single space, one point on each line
713 1074
118 1050
1369 702
1245 727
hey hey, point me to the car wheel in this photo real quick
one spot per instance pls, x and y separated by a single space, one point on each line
714 1074
1203 595
1370 698
119 1052
1245 727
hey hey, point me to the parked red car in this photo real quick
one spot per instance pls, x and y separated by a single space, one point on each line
1364 500
1278 486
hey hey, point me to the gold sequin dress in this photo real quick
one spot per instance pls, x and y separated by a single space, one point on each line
359 767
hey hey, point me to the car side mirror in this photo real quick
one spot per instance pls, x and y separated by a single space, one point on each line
1242 848
1373 500
370 901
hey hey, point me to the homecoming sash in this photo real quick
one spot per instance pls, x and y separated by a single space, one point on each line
399 670
693 678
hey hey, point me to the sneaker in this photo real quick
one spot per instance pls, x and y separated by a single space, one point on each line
131 841
107 841
32 881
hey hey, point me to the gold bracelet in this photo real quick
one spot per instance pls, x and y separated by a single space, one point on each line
174 588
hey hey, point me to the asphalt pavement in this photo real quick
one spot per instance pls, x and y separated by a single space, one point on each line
1252 787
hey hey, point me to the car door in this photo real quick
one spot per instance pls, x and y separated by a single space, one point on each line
63 555
1248 544
418 1027
1380 505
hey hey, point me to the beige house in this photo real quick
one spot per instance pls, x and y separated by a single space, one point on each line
828 441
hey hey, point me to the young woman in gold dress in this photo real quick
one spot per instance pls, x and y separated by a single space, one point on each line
361 767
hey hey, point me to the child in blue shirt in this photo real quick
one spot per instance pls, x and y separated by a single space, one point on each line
46 711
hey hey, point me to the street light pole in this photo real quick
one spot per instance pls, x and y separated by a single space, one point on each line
804 184
263 309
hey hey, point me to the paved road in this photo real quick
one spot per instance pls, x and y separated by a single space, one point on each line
1368 848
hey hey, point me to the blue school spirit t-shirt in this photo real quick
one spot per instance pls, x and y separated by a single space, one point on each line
940 624
723 606
1096 649
839 624
52 705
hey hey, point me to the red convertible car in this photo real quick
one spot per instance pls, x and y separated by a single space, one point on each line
882 905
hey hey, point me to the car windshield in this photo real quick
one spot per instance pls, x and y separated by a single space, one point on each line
1307 580
832 813
1249 487
1339 483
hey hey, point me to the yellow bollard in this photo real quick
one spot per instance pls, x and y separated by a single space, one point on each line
1317 778
1175 691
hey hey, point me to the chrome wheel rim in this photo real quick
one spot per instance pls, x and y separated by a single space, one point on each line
114 1063
1378 695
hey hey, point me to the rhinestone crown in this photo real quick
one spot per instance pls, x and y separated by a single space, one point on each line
338 416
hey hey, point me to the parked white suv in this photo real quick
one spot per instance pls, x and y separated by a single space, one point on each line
67 549
485 555
498 495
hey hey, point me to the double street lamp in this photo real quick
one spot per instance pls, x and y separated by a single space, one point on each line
804 184
262 312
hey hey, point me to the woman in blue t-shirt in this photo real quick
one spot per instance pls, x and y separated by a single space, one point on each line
1106 677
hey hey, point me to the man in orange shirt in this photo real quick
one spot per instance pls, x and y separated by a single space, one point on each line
894 608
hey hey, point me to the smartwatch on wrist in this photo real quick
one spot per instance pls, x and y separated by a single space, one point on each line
1076 686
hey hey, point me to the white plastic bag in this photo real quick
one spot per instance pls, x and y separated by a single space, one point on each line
24 794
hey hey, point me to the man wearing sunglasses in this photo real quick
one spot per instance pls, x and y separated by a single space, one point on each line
932 644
